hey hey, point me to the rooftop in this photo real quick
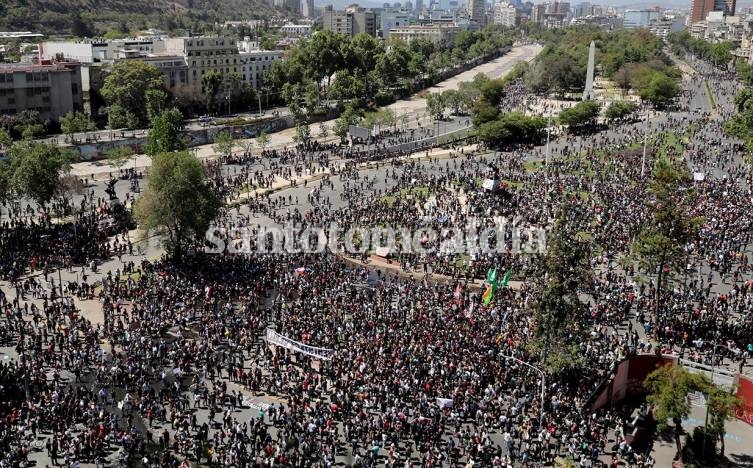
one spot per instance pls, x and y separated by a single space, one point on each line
32 68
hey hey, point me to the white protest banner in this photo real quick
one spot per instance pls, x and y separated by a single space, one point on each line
444 402
284 342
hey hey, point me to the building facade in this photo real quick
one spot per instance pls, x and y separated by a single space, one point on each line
506 15
699 9
52 89
666 25
307 9
391 18
477 11
352 21
255 64
202 55
635 19
438 34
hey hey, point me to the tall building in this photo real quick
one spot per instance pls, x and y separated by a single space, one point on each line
505 15
202 55
635 19
700 8
476 10
730 7
52 89
582 9
419 5
352 21
307 8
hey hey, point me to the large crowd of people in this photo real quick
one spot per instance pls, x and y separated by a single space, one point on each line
177 369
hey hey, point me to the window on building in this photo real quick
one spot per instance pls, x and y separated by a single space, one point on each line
11 100
29 78
74 88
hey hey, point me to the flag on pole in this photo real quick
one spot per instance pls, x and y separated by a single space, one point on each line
491 281
506 279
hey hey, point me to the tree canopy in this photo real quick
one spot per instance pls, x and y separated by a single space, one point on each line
178 202
164 134
126 89
34 170
580 115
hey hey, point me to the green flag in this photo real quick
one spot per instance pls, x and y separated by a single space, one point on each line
506 279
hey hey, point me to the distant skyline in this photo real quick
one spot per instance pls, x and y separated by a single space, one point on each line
623 4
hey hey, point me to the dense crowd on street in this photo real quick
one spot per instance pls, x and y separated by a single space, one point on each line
420 373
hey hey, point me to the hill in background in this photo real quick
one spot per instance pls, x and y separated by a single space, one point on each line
96 17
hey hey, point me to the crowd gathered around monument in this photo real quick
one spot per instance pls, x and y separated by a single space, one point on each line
391 360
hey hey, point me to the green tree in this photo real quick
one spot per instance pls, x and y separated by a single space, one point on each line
618 110
178 202
75 122
580 115
668 388
164 134
156 101
5 140
119 155
660 90
513 127
302 133
435 105
349 116
262 140
564 271
453 100
126 86
224 143
660 245
119 117
211 83
36 168
722 407
29 124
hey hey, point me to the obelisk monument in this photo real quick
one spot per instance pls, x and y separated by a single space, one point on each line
588 93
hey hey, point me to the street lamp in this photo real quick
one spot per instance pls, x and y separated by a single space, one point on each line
543 384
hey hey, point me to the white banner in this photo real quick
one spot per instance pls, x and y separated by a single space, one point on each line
445 402
284 342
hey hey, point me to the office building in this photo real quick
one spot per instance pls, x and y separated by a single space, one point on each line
583 9
351 21
506 15
307 8
439 34
635 19
389 19
477 11
255 63
699 9
666 25
202 55
51 88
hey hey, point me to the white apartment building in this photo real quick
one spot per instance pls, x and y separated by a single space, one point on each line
436 33
506 15
296 30
202 55
255 63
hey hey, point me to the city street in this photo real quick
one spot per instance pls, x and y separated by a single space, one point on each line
306 187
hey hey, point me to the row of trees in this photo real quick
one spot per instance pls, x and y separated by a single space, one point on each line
718 53
364 69
633 58
741 124
33 170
